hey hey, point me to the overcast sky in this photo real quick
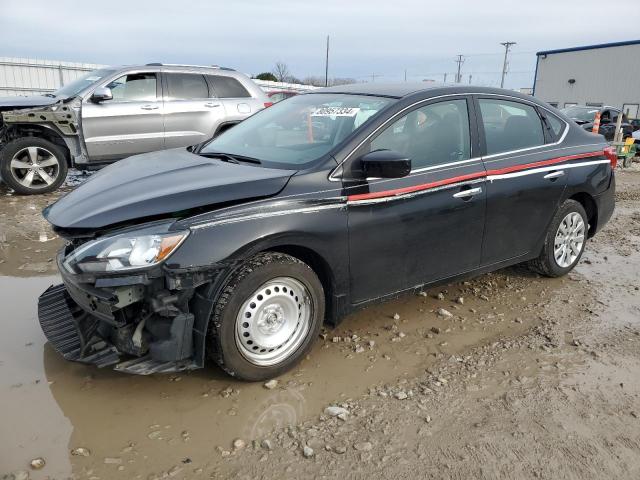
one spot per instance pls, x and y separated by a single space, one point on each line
368 37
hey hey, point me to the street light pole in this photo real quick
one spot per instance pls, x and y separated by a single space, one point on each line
326 66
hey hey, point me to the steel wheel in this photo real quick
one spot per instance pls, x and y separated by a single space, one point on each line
569 240
274 321
35 167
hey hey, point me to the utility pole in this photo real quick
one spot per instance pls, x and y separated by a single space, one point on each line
470 79
445 78
374 75
405 74
459 61
326 66
507 46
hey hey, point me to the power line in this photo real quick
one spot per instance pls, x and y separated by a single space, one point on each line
507 46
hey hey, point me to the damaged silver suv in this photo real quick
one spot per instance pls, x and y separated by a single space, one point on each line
116 112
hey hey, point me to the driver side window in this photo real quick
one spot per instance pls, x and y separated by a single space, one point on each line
431 135
136 87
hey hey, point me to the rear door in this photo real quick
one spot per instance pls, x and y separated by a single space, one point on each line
128 124
523 184
236 99
192 113
427 226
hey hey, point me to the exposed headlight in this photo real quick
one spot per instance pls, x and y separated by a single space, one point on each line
126 251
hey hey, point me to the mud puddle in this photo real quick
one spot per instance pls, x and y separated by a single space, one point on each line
135 424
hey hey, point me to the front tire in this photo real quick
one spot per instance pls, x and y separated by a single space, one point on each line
267 317
32 165
564 242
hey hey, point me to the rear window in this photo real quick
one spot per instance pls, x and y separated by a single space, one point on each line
184 86
555 124
510 125
227 87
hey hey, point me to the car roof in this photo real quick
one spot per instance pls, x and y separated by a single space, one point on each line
170 66
406 89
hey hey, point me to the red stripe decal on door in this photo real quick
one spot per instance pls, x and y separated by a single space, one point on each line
471 176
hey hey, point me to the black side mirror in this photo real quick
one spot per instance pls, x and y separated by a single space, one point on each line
101 94
385 164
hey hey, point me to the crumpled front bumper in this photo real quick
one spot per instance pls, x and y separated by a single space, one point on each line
74 333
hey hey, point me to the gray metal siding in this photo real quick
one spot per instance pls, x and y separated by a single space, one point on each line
610 76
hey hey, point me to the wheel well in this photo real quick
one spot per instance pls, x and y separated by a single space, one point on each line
21 131
321 269
589 205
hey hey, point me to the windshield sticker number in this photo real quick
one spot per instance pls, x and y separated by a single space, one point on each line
335 112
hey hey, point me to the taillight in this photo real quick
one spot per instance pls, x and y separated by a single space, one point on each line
612 156
267 104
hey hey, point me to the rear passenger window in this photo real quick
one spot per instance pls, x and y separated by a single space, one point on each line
555 124
510 125
434 134
227 87
184 86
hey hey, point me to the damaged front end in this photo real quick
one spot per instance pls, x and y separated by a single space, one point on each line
120 306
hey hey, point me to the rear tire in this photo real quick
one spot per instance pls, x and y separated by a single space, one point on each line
32 165
267 317
564 242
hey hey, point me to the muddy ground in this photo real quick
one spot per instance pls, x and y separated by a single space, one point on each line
527 378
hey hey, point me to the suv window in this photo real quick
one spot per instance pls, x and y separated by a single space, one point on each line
135 87
227 87
184 86
510 125
431 135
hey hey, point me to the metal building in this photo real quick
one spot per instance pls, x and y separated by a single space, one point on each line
593 75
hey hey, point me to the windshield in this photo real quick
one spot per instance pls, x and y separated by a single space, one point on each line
79 84
297 130
582 114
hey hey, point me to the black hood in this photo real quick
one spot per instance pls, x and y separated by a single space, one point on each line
27 102
160 183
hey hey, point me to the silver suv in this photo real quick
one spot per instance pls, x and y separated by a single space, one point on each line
115 112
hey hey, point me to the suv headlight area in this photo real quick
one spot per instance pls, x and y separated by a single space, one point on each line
126 251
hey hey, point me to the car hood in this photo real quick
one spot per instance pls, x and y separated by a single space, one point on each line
27 102
160 183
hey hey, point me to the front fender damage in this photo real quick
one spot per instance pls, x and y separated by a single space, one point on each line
63 118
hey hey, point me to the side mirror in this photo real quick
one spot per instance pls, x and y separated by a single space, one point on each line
101 94
385 164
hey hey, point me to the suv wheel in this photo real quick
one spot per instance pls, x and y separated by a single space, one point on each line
33 165
564 242
266 318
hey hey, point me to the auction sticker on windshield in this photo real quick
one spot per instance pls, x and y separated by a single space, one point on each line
335 112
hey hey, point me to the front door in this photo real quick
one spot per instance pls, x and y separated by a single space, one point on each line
128 124
429 225
525 179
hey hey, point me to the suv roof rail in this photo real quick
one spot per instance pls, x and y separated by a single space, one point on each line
158 64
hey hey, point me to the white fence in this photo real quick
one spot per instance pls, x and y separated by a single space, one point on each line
28 76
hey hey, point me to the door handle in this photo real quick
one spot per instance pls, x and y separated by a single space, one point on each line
149 107
554 175
470 192
211 105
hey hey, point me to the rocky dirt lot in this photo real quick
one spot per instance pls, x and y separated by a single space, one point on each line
508 375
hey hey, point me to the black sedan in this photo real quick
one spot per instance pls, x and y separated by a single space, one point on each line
240 249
